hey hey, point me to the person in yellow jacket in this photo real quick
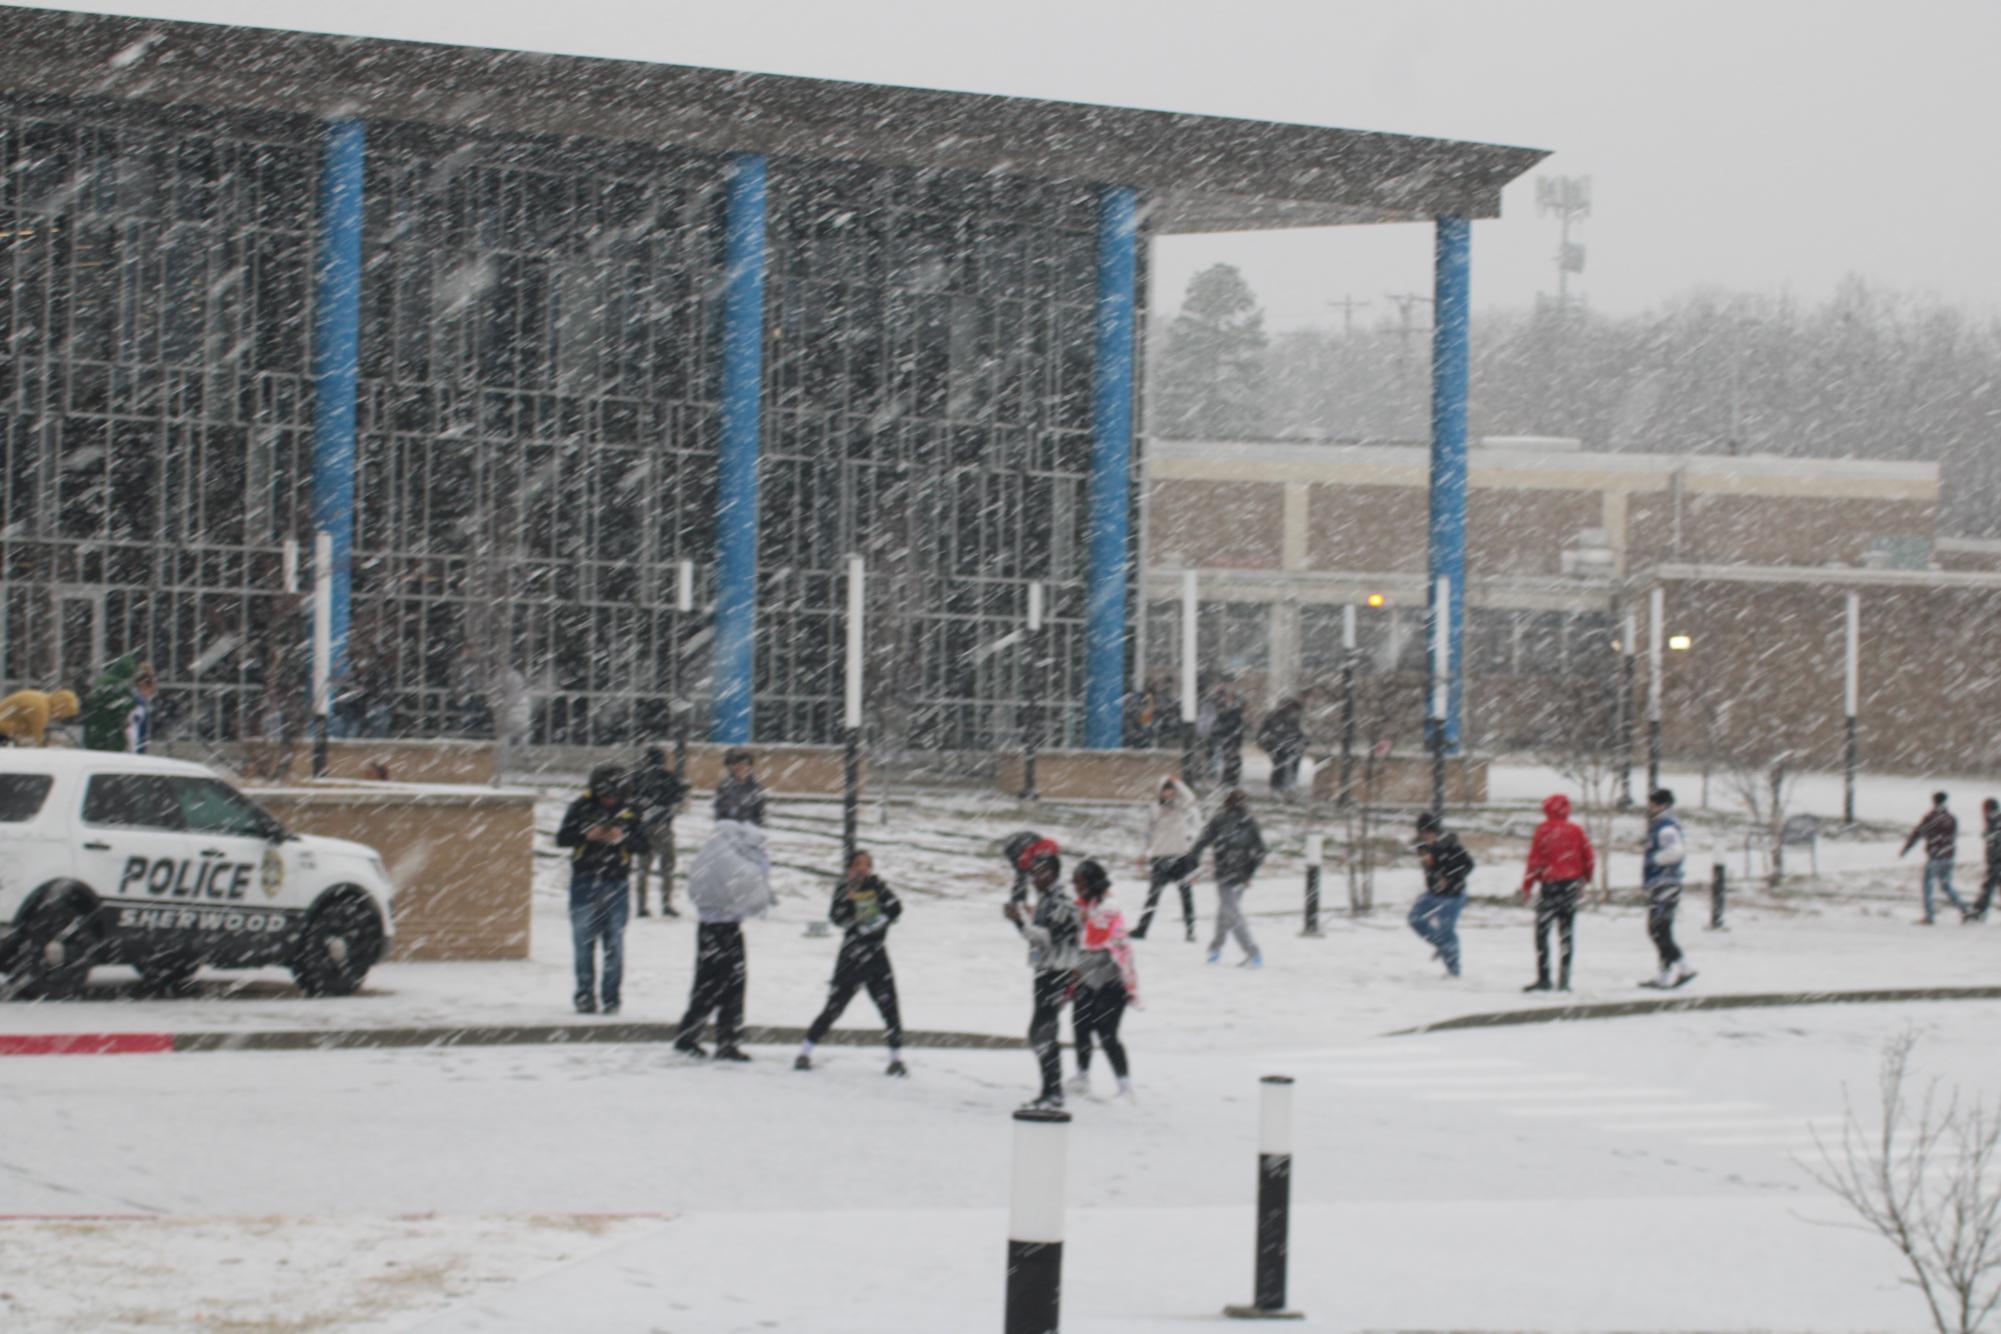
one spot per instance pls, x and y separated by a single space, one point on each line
25 715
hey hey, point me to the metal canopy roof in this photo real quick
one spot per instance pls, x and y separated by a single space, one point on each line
1199 173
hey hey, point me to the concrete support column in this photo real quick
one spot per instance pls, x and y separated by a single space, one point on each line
1111 466
742 430
1282 649
337 367
1450 357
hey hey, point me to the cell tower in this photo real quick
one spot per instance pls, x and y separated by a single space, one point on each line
1569 197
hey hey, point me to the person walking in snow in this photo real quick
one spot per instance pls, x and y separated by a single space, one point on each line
658 791
1227 736
602 831
1435 915
740 797
1107 980
1051 930
729 881
1661 873
865 908
1990 815
1171 829
1283 737
1239 851
1561 860
1940 832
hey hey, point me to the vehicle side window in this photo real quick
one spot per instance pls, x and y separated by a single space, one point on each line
208 806
135 801
22 795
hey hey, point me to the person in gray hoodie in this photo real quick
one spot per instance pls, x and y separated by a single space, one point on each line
1171 829
1051 931
730 880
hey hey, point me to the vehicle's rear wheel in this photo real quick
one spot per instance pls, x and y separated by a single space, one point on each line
59 944
342 941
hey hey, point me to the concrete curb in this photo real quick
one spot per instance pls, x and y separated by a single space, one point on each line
1683 1004
524 1035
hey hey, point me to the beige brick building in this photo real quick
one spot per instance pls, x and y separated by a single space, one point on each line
1756 557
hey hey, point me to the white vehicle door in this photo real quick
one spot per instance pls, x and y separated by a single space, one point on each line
130 847
250 869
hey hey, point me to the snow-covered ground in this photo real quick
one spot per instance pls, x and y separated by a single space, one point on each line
1636 1173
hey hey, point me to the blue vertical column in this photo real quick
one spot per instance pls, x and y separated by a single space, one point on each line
337 363
1450 356
742 428
1111 467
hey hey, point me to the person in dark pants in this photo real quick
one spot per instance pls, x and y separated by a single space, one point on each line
657 791
1282 736
1171 830
729 881
1562 860
1106 980
740 796
1990 814
1435 915
1661 874
603 834
866 908
1228 736
1051 931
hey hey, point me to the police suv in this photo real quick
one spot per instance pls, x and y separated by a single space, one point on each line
110 858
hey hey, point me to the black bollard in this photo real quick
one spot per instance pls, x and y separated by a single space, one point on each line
1313 859
1274 1202
1035 1222
1716 893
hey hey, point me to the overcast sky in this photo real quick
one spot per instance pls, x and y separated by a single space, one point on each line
1745 144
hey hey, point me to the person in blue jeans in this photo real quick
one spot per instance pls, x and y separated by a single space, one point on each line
1939 831
1435 915
602 831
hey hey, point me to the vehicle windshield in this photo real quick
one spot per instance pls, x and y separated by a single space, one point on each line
210 806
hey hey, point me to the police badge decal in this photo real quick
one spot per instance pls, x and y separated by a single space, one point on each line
272 873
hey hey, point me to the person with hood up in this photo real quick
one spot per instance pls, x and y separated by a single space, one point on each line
740 796
25 715
1015 853
729 881
1940 832
1562 860
1171 829
601 830
1435 915
658 791
1240 850
1051 930
866 908
1661 875
1990 815
1107 980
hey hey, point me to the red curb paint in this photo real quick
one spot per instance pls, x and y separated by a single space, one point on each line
84 1044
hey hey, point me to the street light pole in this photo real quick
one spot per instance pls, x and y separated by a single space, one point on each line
851 768
1347 793
322 646
1032 672
1628 668
1851 703
684 602
1441 686
1656 620
1189 609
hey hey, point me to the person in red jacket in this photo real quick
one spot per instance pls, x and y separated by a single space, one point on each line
1560 857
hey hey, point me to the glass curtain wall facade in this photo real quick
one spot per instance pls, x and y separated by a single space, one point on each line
537 428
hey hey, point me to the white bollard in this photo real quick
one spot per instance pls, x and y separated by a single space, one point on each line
1035 1221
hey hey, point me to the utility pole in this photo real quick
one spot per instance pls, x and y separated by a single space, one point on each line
1406 303
1569 198
1347 305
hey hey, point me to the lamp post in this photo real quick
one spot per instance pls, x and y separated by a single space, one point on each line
1032 714
1628 668
1851 701
1441 687
684 602
1656 617
1347 794
1189 609
851 767
322 645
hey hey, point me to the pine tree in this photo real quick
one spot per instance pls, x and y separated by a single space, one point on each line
1210 382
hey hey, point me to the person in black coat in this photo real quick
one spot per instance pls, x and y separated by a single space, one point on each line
1283 737
1435 915
658 792
1226 737
866 908
602 831
740 796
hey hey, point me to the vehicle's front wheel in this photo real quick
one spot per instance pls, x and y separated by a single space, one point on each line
343 939
59 944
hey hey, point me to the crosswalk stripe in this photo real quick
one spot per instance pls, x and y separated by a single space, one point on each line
1424 1081
1602 1110
1549 1095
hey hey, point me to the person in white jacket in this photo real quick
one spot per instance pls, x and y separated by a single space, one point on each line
730 880
1171 830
